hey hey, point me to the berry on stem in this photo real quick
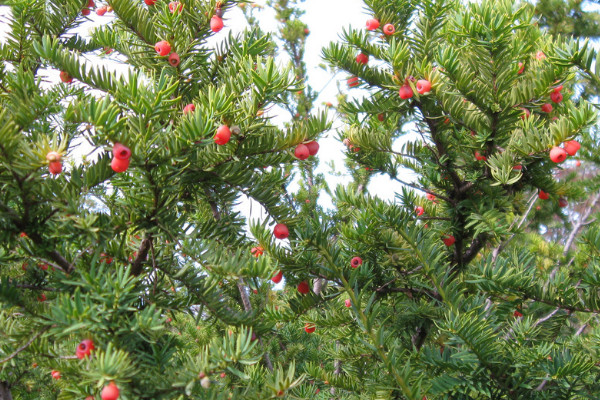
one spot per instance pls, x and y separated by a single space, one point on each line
543 195
372 24
362 58
223 135
313 147
521 68
55 167
556 97
110 392
277 277
352 81
301 152
174 59
348 303
449 240
101 11
547 108
121 151
65 77
571 147
419 211
84 348
149 2
389 29
55 374
356 262
479 157
216 23
175 6
558 154
162 48
423 86
119 165
190 108
405 92
309 328
281 231
303 287
562 202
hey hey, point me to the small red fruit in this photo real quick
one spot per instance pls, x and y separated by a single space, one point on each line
348 303
306 31
175 6
405 92
381 117
353 81
389 29
119 165
85 11
558 154
216 23
309 328
281 231
41 299
121 151
101 11
223 135
356 262
110 392
419 211
571 147
578 163
303 287
518 167
65 77
449 240
556 97
174 59
301 152
362 58
149 2
190 108
257 251
547 108
521 68
55 167
479 157
277 277
423 86
313 148
517 314
372 24
84 348
543 195
91 4
562 202
430 197
55 374
558 88
162 48
526 114
540 55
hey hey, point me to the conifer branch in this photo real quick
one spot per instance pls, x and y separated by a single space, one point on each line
26 345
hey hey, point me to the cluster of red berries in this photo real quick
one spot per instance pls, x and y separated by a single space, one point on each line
54 164
559 154
423 86
373 24
302 151
121 158
163 48
257 251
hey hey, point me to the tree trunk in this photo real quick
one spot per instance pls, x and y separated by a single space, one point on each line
5 391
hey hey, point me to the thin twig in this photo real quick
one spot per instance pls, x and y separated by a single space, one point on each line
26 345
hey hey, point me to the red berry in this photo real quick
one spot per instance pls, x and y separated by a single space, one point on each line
356 262
277 277
41 299
281 231
175 6
449 240
55 167
430 197
121 151
119 165
518 167
303 287
43 266
423 86
55 374
174 59
190 108
306 31
562 202
405 92
150 2
101 11
479 157
389 29
558 154
91 4
543 195
526 114
372 24
558 88
521 68
85 11
419 211
540 55
313 148
84 348
216 23
571 147
162 48
517 314
362 58
556 97
348 303
547 108
353 81
381 117
301 152
110 392
223 135
65 77
309 328
578 163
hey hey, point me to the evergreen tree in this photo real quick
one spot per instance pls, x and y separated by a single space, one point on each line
139 281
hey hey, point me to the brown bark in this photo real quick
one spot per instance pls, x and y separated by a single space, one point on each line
5 393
